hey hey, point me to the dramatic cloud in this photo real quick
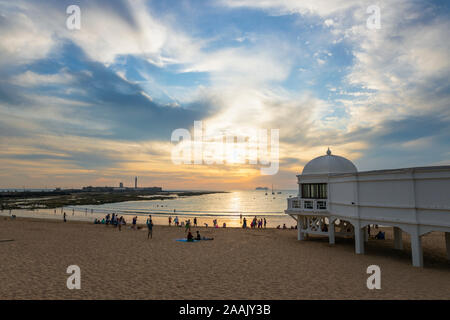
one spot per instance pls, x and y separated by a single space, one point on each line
99 104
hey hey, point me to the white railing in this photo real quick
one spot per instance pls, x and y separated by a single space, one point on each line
299 204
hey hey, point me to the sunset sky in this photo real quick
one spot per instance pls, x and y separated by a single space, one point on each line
97 106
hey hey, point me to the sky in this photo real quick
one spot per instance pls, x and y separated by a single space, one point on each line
99 105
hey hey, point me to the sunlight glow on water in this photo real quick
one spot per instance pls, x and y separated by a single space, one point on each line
225 207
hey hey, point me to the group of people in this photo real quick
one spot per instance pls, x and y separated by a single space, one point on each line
113 220
256 223
187 224
380 235
175 221
191 238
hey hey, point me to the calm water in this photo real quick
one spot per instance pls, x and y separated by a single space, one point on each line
225 207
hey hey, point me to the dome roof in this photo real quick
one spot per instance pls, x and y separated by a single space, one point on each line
329 164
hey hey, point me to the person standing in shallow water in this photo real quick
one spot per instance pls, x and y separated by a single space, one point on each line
150 227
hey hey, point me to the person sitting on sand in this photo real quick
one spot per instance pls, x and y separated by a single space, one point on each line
284 226
198 237
190 237
103 221
380 235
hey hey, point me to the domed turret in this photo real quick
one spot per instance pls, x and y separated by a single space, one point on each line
329 163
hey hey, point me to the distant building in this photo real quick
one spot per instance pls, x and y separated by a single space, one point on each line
335 199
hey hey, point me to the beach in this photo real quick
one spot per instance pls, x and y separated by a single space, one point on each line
237 264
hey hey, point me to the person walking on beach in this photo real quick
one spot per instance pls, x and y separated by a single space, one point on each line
195 222
64 217
176 221
119 223
188 226
244 224
134 222
265 223
150 227
170 221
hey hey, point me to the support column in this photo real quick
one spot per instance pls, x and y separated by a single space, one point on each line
398 241
359 240
331 237
447 242
416 249
300 235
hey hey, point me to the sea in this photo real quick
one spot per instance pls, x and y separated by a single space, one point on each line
229 208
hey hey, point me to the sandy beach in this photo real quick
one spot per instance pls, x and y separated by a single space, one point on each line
237 264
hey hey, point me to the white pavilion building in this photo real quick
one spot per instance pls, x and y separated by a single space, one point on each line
335 199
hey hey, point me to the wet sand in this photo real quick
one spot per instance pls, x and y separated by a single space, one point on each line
237 264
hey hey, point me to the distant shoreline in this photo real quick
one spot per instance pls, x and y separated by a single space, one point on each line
52 200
